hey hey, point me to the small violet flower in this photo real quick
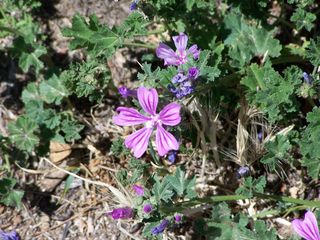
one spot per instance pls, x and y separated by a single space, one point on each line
308 227
138 190
177 218
121 213
125 92
179 57
147 208
172 155
134 5
169 116
13 235
160 228
307 78
193 72
243 172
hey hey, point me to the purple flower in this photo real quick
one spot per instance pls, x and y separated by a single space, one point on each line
308 227
172 155
179 78
121 213
138 190
134 5
193 72
13 235
160 228
260 136
178 218
179 57
307 78
147 208
125 92
169 116
243 172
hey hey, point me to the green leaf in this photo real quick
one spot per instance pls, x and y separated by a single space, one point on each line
181 184
309 144
189 4
8 195
13 198
71 130
313 52
162 190
53 90
31 93
303 19
251 185
90 35
22 133
29 59
247 41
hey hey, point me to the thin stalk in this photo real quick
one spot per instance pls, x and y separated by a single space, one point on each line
210 200
154 155
140 45
156 31
11 30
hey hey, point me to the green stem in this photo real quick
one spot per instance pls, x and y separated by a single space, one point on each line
154 155
141 45
156 31
11 30
209 200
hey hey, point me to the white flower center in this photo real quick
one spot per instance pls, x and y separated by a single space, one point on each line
153 122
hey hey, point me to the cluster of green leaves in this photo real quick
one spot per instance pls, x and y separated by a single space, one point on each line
41 120
248 40
27 47
274 94
169 189
251 185
223 225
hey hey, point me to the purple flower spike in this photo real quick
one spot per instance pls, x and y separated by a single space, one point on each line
179 78
308 227
193 72
121 213
147 208
168 116
160 228
13 235
125 92
138 190
178 218
180 56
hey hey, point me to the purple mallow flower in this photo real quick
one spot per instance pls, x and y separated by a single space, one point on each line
121 213
125 92
172 155
147 208
307 78
160 228
308 227
193 72
169 116
180 56
13 235
177 218
138 190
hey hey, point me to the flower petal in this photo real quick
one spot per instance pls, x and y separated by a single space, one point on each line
180 42
129 117
170 114
167 54
308 228
138 141
165 141
148 99
194 51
